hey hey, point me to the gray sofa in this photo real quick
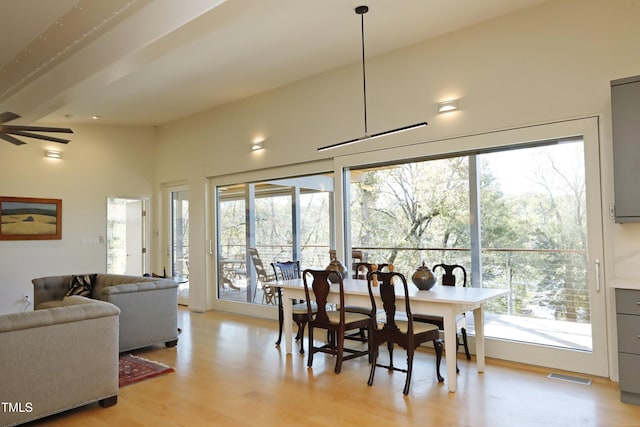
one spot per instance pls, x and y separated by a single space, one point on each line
148 305
58 359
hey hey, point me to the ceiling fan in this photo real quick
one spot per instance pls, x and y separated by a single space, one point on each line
27 131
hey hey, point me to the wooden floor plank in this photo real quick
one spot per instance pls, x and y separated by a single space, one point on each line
229 373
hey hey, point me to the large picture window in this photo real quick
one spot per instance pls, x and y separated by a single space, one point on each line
532 232
408 213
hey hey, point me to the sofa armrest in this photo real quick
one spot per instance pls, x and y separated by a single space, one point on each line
72 309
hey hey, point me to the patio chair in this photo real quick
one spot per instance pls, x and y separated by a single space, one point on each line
268 291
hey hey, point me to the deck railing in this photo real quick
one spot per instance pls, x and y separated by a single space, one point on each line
543 283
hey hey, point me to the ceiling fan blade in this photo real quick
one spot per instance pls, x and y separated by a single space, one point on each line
36 136
9 138
10 128
7 116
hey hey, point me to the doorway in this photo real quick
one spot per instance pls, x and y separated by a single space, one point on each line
126 236
179 244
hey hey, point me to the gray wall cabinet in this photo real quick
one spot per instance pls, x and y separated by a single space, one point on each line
625 111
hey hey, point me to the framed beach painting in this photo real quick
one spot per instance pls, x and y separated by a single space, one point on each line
26 218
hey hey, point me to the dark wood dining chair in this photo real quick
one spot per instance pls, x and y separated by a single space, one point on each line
357 257
361 270
286 271
317 287
448 279
405 333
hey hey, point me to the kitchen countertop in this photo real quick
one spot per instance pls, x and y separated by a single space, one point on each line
624 283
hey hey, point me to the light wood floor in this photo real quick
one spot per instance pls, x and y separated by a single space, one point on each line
229 373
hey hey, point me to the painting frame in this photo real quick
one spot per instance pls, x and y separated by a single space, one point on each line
30 218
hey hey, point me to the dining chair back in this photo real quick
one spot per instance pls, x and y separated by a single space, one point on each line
361 270
287 271
357 256
405 333
449 278
317 288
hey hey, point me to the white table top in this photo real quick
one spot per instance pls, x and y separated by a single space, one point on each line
439 293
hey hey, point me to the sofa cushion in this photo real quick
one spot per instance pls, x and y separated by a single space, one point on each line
81 285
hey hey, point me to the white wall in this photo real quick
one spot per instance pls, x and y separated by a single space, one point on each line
548 63
98 162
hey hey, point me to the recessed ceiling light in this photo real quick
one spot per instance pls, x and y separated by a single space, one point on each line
96 117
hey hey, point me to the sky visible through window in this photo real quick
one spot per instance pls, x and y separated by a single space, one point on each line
524 169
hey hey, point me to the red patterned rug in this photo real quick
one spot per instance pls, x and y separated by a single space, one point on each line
134 369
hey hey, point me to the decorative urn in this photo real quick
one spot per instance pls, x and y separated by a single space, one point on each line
336 265
423 278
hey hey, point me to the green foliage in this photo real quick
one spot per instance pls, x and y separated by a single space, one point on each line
533 236
273 224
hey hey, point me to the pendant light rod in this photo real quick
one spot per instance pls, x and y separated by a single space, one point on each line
361 10
375 135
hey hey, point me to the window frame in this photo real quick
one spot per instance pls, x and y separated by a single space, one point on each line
587 128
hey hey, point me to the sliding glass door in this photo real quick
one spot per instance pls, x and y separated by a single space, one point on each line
282 220
535 244
517 216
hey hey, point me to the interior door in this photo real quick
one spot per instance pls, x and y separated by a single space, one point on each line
133 239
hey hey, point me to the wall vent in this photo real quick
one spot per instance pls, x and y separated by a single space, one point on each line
572 379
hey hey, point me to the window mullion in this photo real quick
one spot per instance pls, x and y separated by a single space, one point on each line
474 222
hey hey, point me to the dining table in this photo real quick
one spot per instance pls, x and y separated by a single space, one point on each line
446 301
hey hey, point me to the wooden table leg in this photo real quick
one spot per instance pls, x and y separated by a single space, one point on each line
450 350
478 319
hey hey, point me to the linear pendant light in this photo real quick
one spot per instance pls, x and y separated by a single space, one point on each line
361 10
